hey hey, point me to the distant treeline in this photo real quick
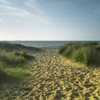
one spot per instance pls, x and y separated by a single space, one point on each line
87 53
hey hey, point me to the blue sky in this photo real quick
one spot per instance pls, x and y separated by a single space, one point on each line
49 19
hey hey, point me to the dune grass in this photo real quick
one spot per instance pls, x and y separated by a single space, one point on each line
7 46
13 65
87 53
14 60
9 74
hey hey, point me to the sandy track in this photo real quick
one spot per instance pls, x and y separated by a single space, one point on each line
54 79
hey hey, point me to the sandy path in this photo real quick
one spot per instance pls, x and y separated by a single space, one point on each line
53 79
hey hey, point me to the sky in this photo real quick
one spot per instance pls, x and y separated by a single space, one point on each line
50 20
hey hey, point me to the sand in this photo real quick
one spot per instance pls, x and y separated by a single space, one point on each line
53 78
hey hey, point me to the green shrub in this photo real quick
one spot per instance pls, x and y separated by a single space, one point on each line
10 59
17 73
8 74
13 64
24 53
16 53
62 49
68 52
86 53
77 55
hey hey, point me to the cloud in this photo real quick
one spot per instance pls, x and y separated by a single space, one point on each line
19 12
13 11
33 4
1 20
39 11
4 1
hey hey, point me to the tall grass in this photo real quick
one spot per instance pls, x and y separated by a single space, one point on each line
9 74
12 65
87 53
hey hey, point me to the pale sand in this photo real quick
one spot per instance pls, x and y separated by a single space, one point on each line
53 78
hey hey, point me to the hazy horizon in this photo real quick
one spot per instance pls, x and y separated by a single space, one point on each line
49 40
42 20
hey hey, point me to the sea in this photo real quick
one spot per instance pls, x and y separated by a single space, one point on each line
47 44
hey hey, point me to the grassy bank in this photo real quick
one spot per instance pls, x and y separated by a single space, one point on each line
86 53
7 46
13 65
14 61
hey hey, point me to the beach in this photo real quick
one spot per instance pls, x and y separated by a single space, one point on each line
49 49
53 78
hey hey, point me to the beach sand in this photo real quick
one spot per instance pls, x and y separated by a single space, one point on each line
53 78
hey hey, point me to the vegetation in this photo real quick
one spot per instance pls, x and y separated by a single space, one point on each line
52 79
13 64
9 74
7 46
87 53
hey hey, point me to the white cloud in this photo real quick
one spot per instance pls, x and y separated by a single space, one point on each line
39 11
4 1
15 11
1 20
21 13
33 4
12 11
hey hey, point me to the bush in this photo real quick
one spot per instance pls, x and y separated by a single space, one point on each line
77 54
24 53
86 53
17 73
8 74
13 64
68 52
11 60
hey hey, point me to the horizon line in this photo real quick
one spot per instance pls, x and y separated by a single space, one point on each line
49 40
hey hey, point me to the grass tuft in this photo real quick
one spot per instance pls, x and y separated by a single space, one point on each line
87 53
13 65
9 74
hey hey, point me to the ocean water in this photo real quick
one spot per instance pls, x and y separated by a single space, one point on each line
41 43
54 44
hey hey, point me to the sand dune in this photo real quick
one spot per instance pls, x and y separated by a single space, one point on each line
55 79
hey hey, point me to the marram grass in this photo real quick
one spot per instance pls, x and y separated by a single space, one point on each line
86 53
9 74
13 65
